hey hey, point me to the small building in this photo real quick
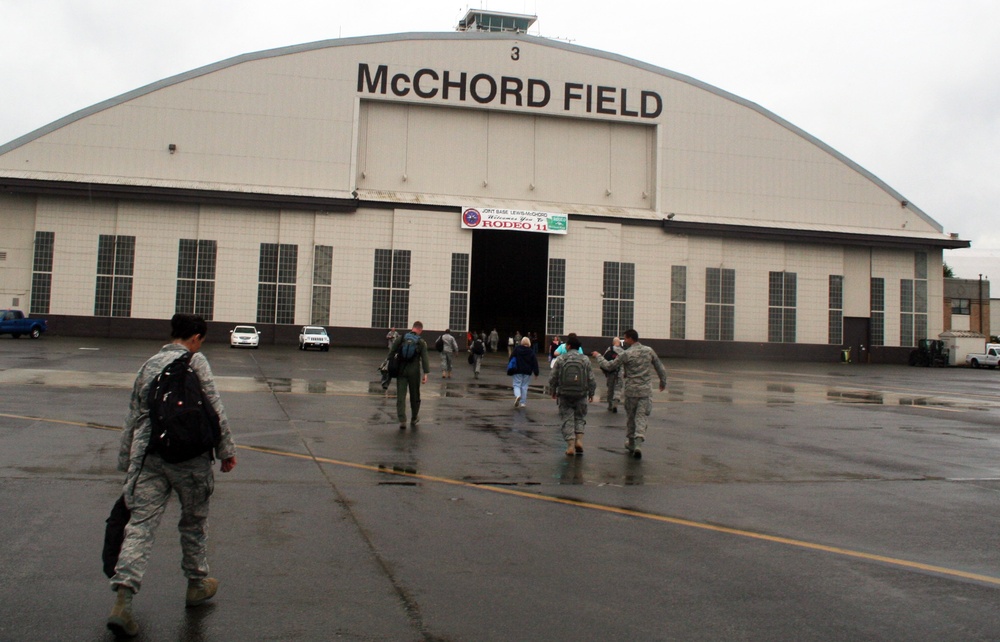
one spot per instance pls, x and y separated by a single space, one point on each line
967 306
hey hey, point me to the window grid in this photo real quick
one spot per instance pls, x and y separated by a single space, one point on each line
556 317
720 304
322 282
45 243
391 288
41 292
41 278
878 311
678 301
276 278
782 295
913 306
115 266
196 261
458 309
836 324
961 306
618 306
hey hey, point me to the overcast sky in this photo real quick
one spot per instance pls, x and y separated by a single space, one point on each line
908 89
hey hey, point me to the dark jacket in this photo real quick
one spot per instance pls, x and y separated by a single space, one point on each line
527 362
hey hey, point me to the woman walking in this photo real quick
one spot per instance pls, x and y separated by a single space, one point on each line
525 364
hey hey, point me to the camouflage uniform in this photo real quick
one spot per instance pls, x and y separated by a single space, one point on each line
572 410
637 364
615 383
150 480
447 355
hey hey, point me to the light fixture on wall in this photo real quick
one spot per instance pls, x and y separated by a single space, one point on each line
171 148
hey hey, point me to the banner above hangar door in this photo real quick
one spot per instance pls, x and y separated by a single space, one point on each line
491 218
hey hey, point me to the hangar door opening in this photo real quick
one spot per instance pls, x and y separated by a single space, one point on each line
508 282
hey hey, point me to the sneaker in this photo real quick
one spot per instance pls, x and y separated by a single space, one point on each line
637 453
402 425
629 445
201 591
517 401
414 422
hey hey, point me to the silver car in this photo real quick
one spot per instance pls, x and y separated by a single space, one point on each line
244 335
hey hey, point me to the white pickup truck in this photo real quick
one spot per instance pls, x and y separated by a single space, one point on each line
990 358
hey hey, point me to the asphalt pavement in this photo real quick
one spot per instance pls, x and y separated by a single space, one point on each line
774 501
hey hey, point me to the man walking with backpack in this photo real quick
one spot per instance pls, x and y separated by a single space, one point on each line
476 352
638 364
572 383
154 473
410 352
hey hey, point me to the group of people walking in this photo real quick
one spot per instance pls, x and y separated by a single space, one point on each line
629 368
151 476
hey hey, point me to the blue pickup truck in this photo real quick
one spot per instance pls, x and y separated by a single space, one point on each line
14 323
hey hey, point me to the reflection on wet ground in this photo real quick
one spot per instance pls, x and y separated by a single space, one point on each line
691 389
529 445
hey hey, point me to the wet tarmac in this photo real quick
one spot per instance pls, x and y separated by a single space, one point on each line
774 501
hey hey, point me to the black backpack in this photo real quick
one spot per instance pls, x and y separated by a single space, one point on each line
572 378
184 423
478 347
610 354
439 344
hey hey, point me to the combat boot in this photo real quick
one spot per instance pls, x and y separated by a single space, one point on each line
121 621
201 591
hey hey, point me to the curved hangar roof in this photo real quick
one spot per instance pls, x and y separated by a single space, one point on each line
453 119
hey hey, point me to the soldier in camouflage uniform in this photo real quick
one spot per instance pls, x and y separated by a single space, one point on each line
638 364
614 379
572 410
149 481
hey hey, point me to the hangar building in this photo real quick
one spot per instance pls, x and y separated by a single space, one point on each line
468 180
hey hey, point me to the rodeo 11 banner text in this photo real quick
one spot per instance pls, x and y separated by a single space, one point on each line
491 218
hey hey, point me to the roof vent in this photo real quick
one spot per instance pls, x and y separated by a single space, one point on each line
495 22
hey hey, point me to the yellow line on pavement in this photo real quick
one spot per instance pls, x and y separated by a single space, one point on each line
61 421
907 564
835 550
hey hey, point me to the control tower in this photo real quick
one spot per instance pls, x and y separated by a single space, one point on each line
495 21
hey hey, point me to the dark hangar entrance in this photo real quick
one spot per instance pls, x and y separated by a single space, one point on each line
508 282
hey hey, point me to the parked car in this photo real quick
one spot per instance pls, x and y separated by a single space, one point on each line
990 358
14 323
313 336
244 335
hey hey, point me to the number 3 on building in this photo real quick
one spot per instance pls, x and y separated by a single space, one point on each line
515 53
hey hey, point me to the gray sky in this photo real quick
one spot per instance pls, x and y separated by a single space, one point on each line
908 89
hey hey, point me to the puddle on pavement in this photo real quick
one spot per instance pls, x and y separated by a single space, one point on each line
925 401
861 396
